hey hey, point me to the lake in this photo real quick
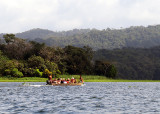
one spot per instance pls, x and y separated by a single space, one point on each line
105 97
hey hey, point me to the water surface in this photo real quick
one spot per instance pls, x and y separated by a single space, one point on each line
105 97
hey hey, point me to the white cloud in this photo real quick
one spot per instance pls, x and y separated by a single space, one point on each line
22 15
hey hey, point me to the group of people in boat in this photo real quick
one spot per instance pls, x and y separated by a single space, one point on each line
63 80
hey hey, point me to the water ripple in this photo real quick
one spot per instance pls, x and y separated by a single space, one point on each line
92 98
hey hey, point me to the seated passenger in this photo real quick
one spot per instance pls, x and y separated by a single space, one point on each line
72 80
62 80
68 80
59 81
55 81
75 81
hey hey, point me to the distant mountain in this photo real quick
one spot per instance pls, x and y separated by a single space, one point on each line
45 34
138 36
34 33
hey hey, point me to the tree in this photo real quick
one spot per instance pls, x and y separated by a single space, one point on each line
36 47
19 49
53 67
36 62
9 38
77 60
105 68
3 61
46 52
111 71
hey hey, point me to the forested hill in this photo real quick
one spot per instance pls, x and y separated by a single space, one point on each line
133 63
45 34
34 33
19 58
139 36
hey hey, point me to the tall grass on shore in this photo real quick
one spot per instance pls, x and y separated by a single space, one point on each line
24 79
86 78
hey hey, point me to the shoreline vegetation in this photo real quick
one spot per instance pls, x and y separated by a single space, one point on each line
86 78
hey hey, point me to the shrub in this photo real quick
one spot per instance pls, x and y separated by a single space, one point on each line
46 73
21 67
16 73
30 72
38 73
13 73
7 72
19 74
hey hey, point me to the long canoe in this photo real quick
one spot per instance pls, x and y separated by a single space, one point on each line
69 84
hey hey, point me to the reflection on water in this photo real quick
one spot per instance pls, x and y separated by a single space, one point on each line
110 97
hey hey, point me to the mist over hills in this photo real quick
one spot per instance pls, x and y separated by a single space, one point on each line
138 36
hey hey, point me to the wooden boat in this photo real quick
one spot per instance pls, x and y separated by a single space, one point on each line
65 84
69 84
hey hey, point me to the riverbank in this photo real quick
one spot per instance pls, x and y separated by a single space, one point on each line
86 78
24 79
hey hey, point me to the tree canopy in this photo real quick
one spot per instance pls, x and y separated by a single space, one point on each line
30 58
133 63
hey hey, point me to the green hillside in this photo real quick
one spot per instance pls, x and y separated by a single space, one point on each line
133 63
139 36
21 58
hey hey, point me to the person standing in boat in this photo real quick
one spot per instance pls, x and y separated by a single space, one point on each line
49 79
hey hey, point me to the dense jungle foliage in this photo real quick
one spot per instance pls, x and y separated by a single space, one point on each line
133 63
21 58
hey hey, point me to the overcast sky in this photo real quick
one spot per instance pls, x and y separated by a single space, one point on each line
57 15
